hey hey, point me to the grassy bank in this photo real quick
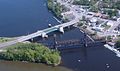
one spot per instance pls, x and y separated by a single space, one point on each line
31 52
3 39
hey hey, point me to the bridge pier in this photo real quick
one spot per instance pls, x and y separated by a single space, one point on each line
44 35
85 40
69 27
61 29
31 40
55 42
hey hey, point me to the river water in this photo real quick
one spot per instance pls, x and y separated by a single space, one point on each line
21 17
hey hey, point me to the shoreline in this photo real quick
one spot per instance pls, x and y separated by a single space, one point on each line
90 34
57 19
83 31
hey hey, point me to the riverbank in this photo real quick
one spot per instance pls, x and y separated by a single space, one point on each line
31 52
93 35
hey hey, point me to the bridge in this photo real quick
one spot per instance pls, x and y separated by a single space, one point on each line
43 33
73 43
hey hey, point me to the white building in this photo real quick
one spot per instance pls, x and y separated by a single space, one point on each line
93 21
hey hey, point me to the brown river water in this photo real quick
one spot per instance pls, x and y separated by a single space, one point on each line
22 66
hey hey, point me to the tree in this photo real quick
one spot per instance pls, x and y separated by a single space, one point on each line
31 52
50 4
81 2
94 9
117 44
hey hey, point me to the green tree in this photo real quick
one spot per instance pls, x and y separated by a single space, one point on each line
31 52
117 44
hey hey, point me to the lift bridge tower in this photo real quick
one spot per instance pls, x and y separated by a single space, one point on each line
85 40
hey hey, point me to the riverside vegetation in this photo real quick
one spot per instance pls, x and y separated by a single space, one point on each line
56 8
31 52
2 39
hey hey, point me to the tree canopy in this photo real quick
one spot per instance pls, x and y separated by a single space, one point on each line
31 52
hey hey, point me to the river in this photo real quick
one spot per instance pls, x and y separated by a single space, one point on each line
22 17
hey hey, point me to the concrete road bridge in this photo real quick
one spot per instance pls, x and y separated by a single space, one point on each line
43 33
